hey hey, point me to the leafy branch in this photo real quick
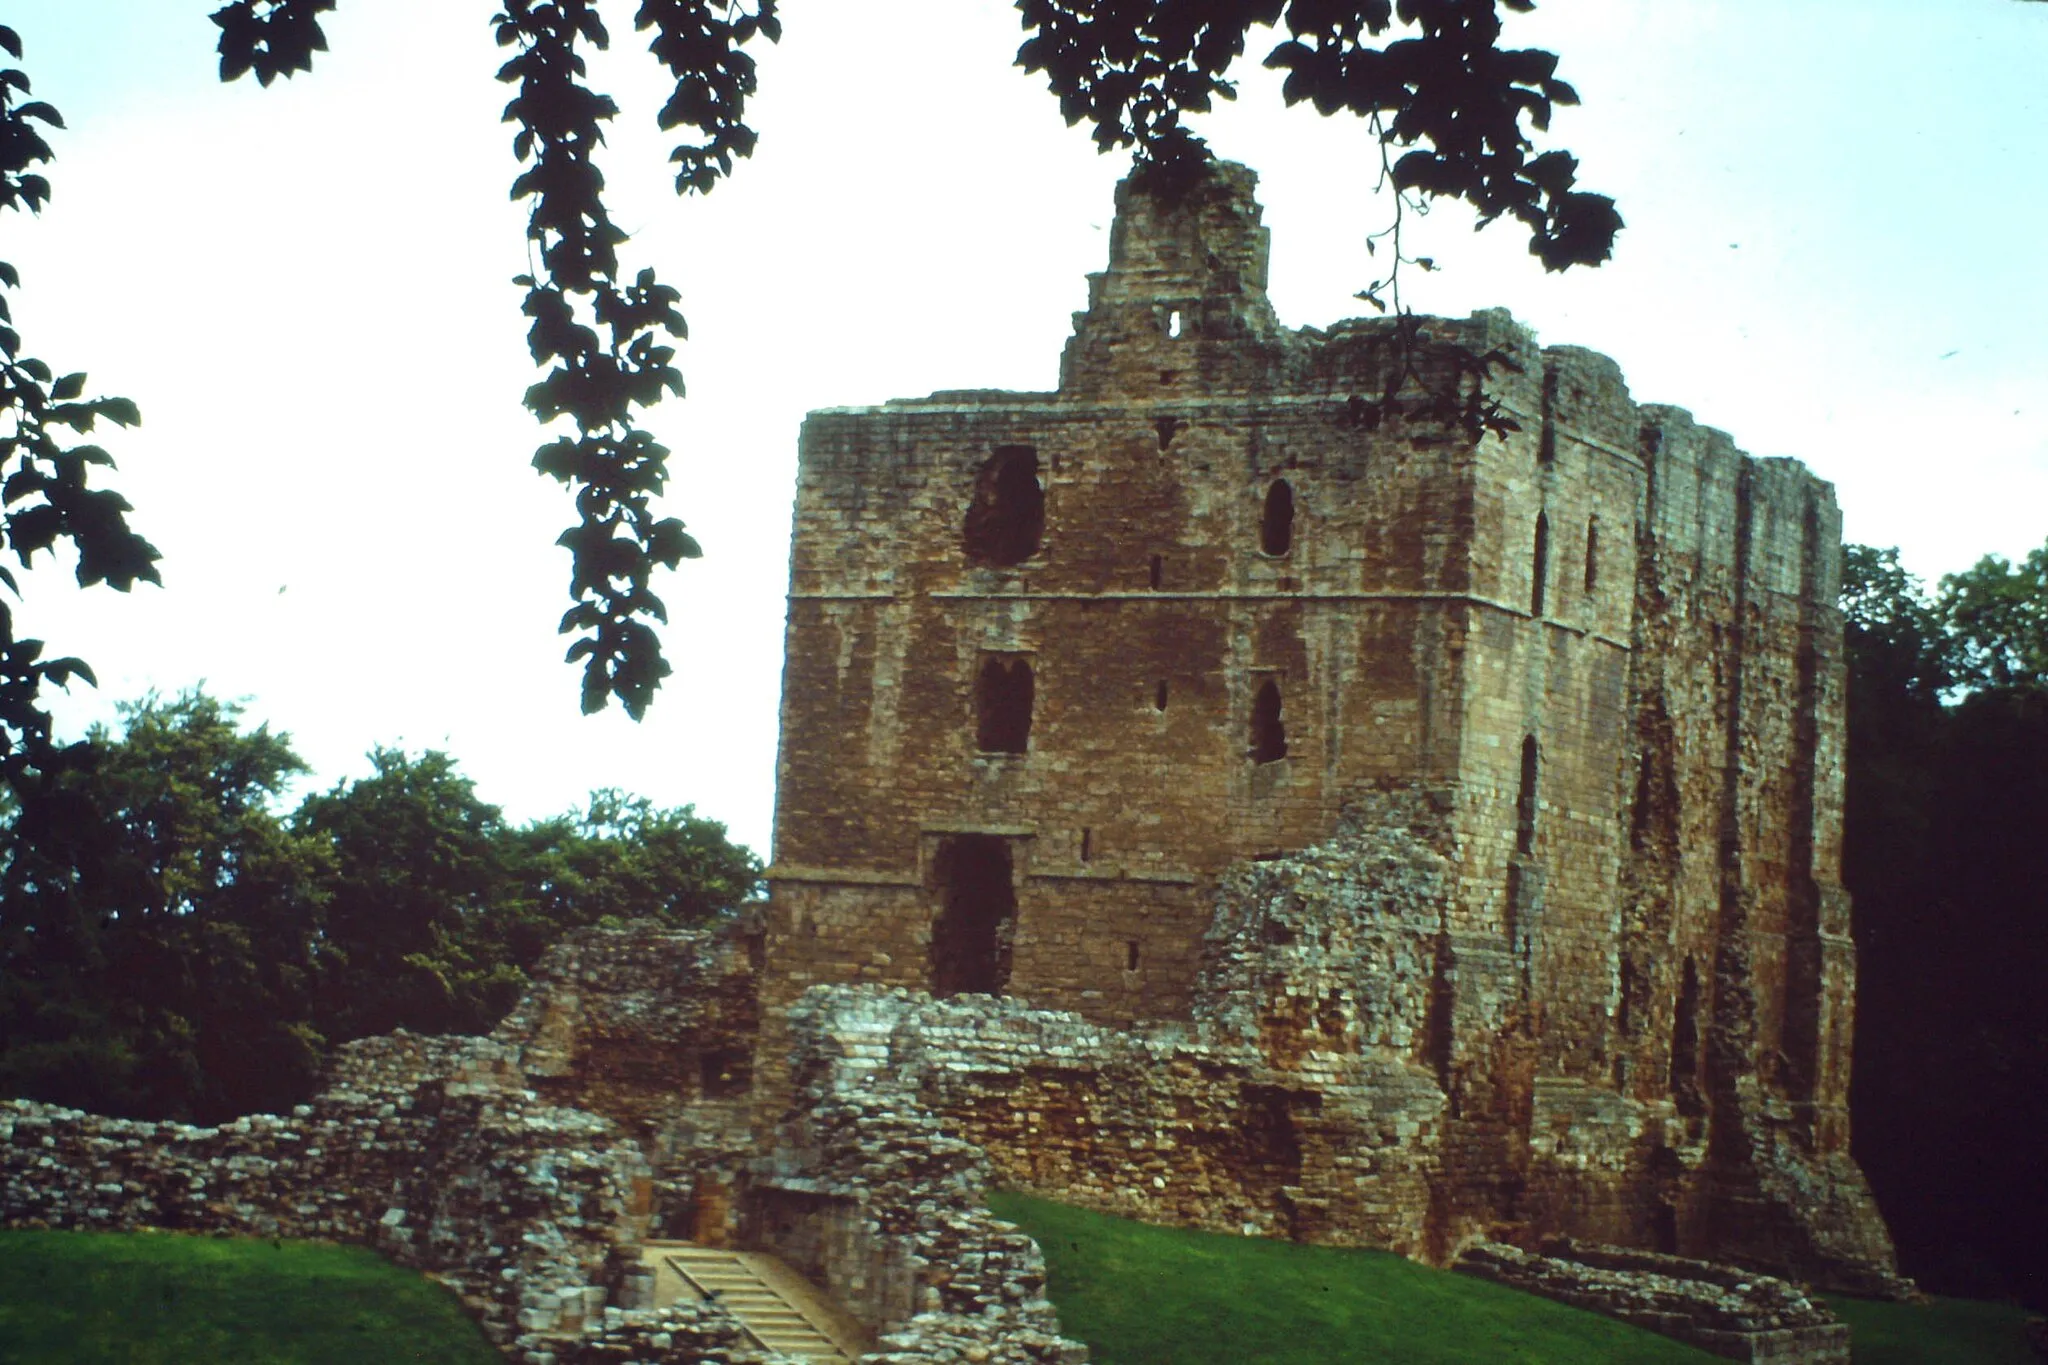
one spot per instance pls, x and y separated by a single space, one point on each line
1450 94
45 482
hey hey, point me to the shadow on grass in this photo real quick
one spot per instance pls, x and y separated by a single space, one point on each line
1143 1295
1944 1332
89 1298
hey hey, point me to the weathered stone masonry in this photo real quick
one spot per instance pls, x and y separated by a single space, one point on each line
1057 662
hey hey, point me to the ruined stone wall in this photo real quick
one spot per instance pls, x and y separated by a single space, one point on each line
425 1149
1602 644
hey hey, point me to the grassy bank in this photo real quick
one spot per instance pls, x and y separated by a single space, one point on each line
83 1298
1143 1295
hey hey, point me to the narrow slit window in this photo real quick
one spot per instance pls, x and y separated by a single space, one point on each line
1268 732
1168 428
1540 568
1546 445
1087 844
1006 518
1525 799
1158 571
1159 696
1276 527
1592 554
1173 323
1003 695
1131 955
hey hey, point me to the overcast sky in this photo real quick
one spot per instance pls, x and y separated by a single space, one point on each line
1834 250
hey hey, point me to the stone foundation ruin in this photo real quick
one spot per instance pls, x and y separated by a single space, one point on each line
1476 793
1234 790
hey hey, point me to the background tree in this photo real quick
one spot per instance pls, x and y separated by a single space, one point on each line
1947 804
158 943
172 945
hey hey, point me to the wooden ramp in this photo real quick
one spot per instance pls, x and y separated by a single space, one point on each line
779 1308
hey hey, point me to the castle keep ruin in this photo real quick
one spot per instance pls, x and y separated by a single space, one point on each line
1479 795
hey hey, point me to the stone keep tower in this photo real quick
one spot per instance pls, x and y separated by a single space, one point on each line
1056 660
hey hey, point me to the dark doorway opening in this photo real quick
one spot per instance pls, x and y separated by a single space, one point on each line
1002 701
977 918
1006 520
1269 734
1276 527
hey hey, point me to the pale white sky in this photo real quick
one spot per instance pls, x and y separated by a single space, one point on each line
1835 214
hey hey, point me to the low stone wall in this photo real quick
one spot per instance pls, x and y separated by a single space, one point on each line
525 1169
422 1148
870 1194
1720 1309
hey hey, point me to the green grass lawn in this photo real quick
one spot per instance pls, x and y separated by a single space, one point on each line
89 1298
1143 1295
1944 1332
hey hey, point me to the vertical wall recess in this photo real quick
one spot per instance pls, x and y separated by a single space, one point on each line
1525 799
1276 526
1002 697
1592 554
977 922
1685 1045
1546 445
1268 732
1539 568
1006 519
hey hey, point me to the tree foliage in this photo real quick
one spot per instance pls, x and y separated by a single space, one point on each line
45 478
176 945
1430 77
1947 801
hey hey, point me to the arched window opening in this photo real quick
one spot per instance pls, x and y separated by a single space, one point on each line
977 923
1685 1045
1592 554
1159 696
1006 519
1269 735
1525 800
1002 697
1541 565
1276 528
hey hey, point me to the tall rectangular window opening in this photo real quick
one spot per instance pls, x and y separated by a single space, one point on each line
1268 731
1540 567
1003 694
1525 799
1592 554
